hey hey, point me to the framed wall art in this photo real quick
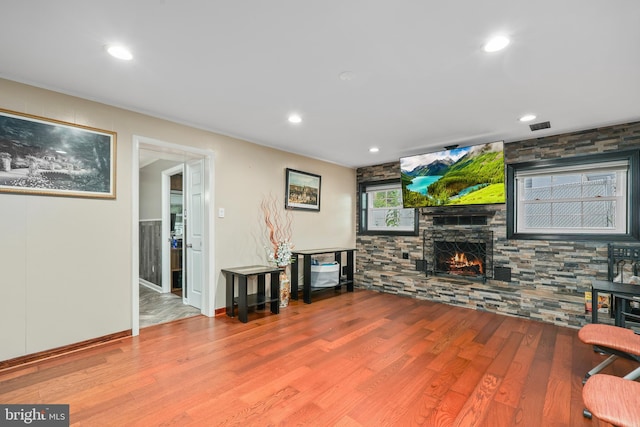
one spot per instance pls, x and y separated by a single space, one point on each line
302 190
50 157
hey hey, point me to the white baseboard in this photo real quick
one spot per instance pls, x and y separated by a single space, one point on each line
150 285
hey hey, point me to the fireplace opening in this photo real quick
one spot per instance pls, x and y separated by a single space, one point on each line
459 252
461 258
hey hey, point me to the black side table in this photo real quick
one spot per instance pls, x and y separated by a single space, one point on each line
259 299
617 289
306 280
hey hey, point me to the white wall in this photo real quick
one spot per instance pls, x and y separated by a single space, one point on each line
65 272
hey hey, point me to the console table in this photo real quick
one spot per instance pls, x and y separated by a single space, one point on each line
605 286
306 270
259 299
620 255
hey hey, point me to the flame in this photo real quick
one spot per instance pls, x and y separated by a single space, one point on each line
459 261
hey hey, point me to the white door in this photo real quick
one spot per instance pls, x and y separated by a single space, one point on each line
194 218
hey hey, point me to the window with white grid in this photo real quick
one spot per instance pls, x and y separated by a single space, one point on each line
381 210
588 198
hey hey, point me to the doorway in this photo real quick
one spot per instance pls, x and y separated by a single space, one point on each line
176 211
183 230
183 234
173 228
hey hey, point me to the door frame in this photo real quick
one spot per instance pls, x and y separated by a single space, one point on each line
209 291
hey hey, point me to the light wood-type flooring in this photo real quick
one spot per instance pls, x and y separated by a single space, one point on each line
349 359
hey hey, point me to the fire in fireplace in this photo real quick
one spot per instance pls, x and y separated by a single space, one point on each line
460 258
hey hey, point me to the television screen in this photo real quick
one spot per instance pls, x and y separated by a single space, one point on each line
462 176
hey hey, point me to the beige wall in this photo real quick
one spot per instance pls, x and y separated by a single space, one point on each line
150 189
66 263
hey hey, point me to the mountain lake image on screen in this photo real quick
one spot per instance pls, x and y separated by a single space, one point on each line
471 175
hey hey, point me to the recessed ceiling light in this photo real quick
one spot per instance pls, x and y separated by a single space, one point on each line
347 75
120 52
294 118
374 149
527 117
496 43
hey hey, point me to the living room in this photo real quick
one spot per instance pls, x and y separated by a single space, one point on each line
71 267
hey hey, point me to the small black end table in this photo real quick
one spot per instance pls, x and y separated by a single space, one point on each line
259 299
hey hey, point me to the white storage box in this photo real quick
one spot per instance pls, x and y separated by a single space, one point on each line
325 275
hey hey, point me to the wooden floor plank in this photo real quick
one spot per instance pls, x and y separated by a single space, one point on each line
500 414
349 359
559 384
475 409
532 398
511 387
445 413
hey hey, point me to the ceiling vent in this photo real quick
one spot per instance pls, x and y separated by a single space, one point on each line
539 126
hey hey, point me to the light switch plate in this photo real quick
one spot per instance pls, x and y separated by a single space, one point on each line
221 213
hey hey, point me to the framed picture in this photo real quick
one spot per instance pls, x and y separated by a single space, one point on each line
50 157
302 190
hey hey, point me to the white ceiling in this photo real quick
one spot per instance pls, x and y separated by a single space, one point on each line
421 79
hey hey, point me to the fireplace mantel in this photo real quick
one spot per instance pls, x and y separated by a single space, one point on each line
462 215
470 210
460 220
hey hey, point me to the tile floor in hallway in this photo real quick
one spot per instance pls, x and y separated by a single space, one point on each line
156 307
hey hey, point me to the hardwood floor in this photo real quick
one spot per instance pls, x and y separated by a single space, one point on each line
354 359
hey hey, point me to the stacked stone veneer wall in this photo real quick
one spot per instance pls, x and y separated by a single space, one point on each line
548 278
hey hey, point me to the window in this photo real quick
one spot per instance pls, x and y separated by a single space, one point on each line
381 210
588 197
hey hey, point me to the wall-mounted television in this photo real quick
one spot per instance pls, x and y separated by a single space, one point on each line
463 176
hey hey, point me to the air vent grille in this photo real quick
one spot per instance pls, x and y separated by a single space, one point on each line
541 125
460 220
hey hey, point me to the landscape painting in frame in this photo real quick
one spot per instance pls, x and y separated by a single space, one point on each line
302 190
50 157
